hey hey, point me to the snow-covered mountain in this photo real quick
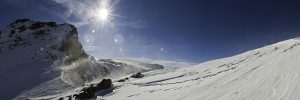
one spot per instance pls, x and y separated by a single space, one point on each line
31 52
43 58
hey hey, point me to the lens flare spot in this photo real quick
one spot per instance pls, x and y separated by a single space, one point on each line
162 49
89 39
118 39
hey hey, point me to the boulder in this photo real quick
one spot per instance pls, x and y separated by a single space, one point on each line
137 75
90 91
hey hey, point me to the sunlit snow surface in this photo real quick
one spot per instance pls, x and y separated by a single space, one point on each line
268 73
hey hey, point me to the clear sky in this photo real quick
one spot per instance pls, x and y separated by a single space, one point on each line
188 30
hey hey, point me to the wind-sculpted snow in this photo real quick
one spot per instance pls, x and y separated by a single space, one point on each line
268 73
165 63
87 70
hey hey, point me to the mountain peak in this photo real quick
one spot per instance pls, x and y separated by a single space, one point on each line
42 36
32 50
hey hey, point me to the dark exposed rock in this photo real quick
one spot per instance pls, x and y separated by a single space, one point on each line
39 34
123 80
51 24
52 56
36 25
137 75
90 91
72 46
22 20
61 98
69 97
22 28
19 21
276 48
18 39
11 33
104 84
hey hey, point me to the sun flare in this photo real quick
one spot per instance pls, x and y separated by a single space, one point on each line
103 14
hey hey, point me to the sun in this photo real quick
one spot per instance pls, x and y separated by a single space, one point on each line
103 14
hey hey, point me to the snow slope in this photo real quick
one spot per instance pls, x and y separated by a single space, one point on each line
47 60
268 73
165 63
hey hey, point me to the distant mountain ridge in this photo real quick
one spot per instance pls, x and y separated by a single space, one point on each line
165 63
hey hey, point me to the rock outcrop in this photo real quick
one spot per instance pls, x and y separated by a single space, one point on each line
32 52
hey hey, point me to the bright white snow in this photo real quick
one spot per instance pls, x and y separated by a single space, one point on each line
268 73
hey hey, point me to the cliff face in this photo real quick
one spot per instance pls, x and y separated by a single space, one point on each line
32 52
38 39
72 47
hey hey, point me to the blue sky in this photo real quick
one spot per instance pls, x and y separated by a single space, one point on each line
187 30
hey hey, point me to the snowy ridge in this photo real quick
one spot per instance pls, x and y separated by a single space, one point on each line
268 73
165 63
